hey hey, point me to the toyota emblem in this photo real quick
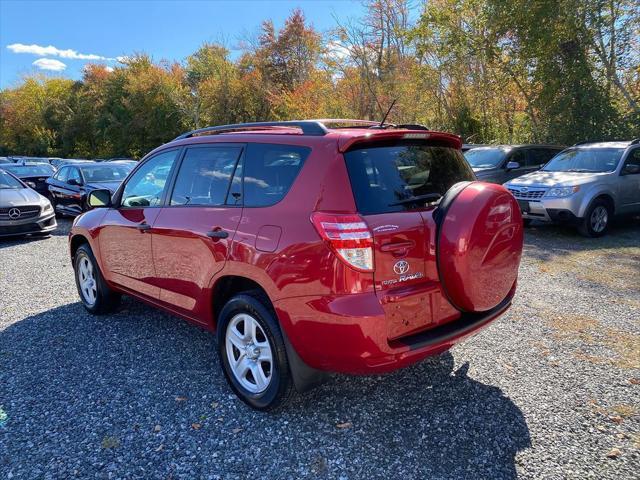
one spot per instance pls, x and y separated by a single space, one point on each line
524 189
14 213
401 267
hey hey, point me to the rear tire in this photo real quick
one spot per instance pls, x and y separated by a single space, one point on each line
252 352
95 294
596 221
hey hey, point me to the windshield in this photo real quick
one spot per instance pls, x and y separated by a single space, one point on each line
385 179
585 160
106 173
7 181
485 157
30 170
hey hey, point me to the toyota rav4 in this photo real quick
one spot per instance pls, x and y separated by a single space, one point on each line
360 248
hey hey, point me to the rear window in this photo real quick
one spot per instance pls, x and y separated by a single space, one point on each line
381 176
269 171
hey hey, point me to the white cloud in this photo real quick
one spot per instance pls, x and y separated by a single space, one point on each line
108 69
54 52
49 64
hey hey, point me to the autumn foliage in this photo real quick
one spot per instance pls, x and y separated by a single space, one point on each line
505 71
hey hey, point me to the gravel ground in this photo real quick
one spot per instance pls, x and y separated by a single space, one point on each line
552 390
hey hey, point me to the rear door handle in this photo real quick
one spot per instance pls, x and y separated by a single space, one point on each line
143 227
217 233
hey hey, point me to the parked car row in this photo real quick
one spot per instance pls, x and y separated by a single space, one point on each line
584 185
43 190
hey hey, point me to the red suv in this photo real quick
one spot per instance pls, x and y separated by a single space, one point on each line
361 248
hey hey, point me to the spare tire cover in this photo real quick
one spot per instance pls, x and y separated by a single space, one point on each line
480 239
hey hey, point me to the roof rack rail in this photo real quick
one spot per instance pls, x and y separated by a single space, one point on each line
635 141
584 142
308 127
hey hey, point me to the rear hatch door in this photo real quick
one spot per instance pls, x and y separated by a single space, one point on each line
396 184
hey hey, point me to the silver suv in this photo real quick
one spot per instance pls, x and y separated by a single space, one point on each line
584 185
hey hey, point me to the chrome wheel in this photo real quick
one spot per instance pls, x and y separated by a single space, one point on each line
87 280
599 219
249 353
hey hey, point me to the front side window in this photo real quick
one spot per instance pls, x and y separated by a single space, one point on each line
388 179
74 174
585 160
146 186
485 157
205 175
269 172
62 175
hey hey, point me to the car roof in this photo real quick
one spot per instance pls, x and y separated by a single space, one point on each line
310 133
603 145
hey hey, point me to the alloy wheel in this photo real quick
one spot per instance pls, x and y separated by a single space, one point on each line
87 279
599 219
249 353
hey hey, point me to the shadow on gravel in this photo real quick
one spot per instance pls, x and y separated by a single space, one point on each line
139 394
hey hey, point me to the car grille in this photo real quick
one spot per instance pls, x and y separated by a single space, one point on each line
528 193
25 212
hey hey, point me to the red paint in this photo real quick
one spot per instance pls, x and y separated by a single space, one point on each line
337 317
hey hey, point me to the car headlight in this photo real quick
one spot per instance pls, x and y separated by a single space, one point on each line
560 192
47 208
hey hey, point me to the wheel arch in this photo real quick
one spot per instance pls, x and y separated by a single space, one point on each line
606 196
76 241
225 287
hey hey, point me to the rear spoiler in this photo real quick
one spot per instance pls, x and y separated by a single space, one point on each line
449 140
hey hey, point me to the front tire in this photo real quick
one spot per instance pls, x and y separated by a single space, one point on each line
95 294
252 352
596 221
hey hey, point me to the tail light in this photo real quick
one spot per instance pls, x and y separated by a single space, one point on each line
348 236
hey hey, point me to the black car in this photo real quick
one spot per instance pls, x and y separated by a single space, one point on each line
69 188
33 174
501 163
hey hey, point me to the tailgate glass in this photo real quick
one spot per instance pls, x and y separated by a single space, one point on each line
383 175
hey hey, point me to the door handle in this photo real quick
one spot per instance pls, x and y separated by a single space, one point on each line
143 226
217 233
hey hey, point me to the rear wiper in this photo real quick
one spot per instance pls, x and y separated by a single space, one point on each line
417 199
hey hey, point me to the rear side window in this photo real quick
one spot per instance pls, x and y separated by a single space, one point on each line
383 175
269 172
205 175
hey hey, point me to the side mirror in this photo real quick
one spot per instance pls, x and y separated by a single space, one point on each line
513 166
73 181
631 169
100 199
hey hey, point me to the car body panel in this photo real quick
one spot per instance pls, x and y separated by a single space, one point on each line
336 317
622 190
22 211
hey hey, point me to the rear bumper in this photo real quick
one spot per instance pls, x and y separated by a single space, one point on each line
44 224
349 334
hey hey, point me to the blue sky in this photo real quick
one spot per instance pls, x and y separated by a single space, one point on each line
165 29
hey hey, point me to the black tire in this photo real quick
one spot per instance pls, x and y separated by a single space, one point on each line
106 300
280 386
590 227
526 222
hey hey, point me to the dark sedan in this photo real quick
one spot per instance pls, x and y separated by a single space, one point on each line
33 174
501 163
69 188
